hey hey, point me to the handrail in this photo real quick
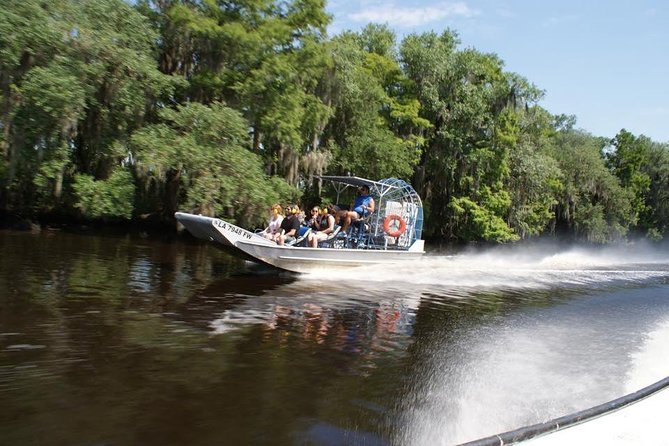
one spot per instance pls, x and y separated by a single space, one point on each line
556 424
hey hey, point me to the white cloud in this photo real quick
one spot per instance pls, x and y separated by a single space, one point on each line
407 17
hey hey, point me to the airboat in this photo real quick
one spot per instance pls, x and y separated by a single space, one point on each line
391 234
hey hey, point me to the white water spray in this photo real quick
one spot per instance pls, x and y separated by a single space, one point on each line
523 369
509 269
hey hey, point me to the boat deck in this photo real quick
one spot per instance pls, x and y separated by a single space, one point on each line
641 423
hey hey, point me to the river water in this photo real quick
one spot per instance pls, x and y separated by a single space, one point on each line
129 340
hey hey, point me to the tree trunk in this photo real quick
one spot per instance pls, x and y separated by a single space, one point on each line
172 188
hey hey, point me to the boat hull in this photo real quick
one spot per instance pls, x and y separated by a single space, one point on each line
295 259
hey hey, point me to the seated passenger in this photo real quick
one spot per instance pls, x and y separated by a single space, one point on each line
289 227
274 225
362 207
325 227
314 221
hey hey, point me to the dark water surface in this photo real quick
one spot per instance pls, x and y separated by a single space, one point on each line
122 340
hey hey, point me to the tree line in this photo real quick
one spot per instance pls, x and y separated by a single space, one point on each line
111 110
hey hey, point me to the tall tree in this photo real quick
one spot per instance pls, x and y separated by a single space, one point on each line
77 86
197 160
592 204
657 169
29 37
535 178
628 159
466 96
262 57
376 128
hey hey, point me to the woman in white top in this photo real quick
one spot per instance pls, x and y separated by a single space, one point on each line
274 225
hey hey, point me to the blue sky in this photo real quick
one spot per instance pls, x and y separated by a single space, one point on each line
606 62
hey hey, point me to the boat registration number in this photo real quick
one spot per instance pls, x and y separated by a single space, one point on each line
231 228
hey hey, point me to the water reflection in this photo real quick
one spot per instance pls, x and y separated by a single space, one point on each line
309 312
126 340
514 348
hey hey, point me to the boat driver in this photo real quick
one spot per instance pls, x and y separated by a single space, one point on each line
362 207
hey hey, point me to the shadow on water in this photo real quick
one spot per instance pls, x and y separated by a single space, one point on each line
123 340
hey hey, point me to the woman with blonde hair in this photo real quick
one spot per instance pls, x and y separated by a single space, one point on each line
274 225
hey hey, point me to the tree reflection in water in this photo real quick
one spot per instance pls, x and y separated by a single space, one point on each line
110 339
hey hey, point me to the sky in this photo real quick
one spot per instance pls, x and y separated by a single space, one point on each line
605 62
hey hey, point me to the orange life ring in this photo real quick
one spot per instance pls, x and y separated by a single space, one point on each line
389 221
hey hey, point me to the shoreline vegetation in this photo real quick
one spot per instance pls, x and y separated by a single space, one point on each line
120 114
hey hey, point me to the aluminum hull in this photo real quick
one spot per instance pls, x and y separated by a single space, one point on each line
296 259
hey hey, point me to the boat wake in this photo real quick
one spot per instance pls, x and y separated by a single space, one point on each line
516 368
508 270
479 373
651 362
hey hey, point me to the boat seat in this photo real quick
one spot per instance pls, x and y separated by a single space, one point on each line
327 242
359 231
302 235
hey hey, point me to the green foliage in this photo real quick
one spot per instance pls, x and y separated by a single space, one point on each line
198 159
592 200
53 96
481 223
50 178
115 50
656 218
77 79
112 197
263 57
535 178
377 126
470 103
379 152
628 160
224 107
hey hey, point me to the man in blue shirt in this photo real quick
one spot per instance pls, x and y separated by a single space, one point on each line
362 207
